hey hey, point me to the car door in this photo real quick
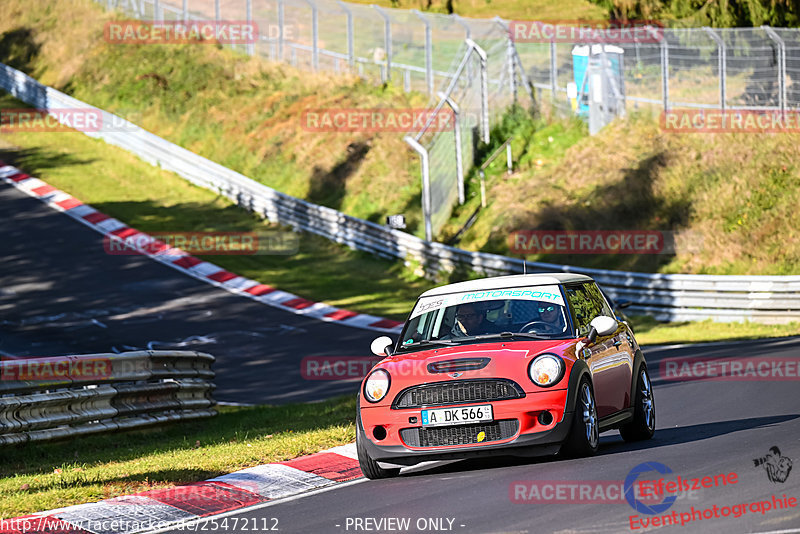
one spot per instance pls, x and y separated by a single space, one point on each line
609 357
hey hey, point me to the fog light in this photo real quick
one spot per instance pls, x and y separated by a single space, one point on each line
545 418
379 432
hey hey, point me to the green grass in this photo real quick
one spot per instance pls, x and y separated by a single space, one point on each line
44 476
650 332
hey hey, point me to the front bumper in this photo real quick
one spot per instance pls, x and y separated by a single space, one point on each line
531 439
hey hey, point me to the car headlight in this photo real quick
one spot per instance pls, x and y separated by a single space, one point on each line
546 370
377 385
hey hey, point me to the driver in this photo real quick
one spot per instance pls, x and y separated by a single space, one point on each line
471 321
551 314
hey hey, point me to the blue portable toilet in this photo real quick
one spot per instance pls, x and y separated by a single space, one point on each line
581 54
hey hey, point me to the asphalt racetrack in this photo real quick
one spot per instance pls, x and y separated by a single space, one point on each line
60 294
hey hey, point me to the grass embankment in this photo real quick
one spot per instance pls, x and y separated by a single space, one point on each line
44 476
732 197
244 113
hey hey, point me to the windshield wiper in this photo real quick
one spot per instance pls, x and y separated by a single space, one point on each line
428 342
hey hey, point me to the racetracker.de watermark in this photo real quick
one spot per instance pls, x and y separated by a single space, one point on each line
57 368
762 368
602 242
203 243
180 32
337 367
376 120
730 121
63 120
588 491
586 31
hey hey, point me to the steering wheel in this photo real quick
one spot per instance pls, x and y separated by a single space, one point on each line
548 327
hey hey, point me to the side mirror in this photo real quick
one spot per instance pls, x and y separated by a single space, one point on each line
604 325
382 346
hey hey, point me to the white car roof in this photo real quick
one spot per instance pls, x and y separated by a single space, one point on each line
503 282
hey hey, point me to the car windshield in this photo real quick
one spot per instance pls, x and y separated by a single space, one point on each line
526 312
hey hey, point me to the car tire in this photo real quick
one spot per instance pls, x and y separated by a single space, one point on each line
584 434
643 425
370 467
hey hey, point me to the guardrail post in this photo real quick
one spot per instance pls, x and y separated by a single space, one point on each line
387 42
250 47
509 162
428 50
721 62
426 184
781 66
314 35
484 89
351 56
280 30
457 131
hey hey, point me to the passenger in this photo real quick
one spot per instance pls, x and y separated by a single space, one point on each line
553 316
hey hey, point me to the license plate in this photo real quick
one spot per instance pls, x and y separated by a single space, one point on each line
457 416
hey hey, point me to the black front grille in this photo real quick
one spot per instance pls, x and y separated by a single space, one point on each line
457 392
459 435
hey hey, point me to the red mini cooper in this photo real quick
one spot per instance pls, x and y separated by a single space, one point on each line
524 365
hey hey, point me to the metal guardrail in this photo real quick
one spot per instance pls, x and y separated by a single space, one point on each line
51 398
666 296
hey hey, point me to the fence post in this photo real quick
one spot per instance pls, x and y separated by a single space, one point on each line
515 57
509 161
664 64
426 184
553 70
512 73
280 30
351 56
314 35
249 9
484 89
217 15
721 61
156 9
781 66
387 43
457 131
185 9
428 50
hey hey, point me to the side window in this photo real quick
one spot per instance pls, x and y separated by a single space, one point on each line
586 303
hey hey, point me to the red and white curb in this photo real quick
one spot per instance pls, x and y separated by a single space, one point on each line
159 509
186 263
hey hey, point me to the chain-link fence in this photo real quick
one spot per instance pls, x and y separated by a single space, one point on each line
741 68
475 68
